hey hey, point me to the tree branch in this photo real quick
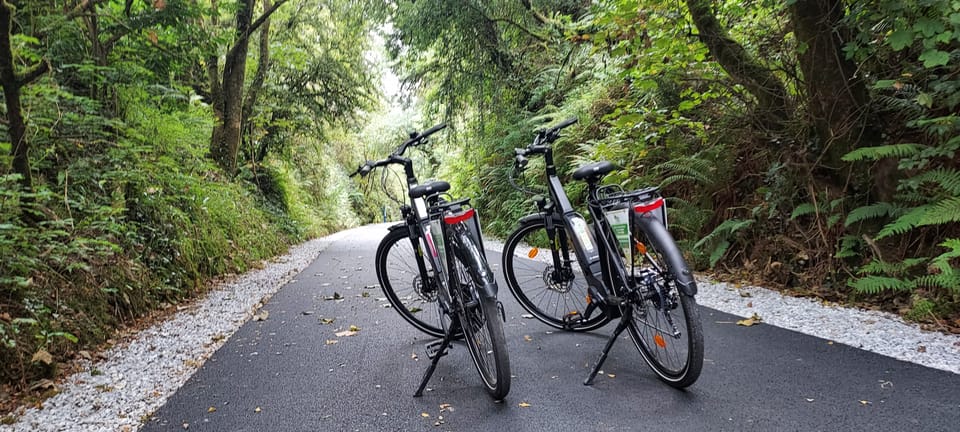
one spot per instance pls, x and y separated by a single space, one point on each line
35 72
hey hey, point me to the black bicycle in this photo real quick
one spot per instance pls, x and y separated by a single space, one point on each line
574 276
434 272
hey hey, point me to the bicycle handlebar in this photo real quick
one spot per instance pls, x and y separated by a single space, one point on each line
396 157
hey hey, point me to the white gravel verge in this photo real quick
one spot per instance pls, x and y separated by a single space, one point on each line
138 376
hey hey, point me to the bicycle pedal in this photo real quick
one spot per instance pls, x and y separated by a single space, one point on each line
572 320
433 349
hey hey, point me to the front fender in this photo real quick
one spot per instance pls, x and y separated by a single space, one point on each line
469 253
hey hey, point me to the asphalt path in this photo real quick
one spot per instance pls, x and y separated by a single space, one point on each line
289 371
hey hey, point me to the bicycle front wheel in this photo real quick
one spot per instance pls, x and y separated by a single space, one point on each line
480 317
412 295
551 289
665 322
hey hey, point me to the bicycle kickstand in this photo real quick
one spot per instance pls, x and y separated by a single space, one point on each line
606 350
435 356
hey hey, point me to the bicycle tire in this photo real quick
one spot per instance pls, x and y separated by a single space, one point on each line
529 271
479 316
403 285
667 331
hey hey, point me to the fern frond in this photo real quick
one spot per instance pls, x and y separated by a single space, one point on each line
690 168
724 231
891 268
802 210
880 152
848 245
870 212
718 252
943 212
947 178
878 284
904 223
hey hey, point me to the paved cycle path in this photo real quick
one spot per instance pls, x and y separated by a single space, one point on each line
289 371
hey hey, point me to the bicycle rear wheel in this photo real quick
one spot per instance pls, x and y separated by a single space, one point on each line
552 291
480 317
409 293
665 322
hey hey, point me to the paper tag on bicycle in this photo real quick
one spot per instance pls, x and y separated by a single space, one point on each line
437 242
579 227
620 223
421 207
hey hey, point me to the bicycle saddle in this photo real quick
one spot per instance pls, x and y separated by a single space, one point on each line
429 188
593 172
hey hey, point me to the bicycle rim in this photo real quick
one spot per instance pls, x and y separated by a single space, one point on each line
403 285
547 290
665 323
483 333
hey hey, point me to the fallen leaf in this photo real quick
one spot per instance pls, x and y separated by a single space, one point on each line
809 399
749 304
424 415
307 312
754 319
526 316
921 349
829 342
612 375
327 320
413 356
444 406
745 294
262 316
354 328
42 356
524 405
335 296
865 402
5 317
257 409
345 333
186 425
212 409
364 294
330 341
527 338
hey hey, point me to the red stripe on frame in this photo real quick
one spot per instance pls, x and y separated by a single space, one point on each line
647 208
455 219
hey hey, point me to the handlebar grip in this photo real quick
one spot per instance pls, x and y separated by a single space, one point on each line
564 124
430 131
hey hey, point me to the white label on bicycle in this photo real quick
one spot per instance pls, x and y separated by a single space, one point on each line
437 239
620 224
579 227
421 207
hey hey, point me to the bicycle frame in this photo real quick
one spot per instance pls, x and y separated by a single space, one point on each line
610 279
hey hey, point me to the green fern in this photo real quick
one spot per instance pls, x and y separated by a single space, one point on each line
884 151
891 268
849 245
876 284
904 223
946 178
872 211
719 238
943 212
692 168
803 210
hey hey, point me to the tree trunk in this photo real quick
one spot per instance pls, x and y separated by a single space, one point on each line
836 98
759 81
263 63
11 83
225 142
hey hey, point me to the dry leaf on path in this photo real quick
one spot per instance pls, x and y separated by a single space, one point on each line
754 319
345 333
524 405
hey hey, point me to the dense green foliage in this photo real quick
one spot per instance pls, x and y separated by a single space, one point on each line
809 143
123 210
